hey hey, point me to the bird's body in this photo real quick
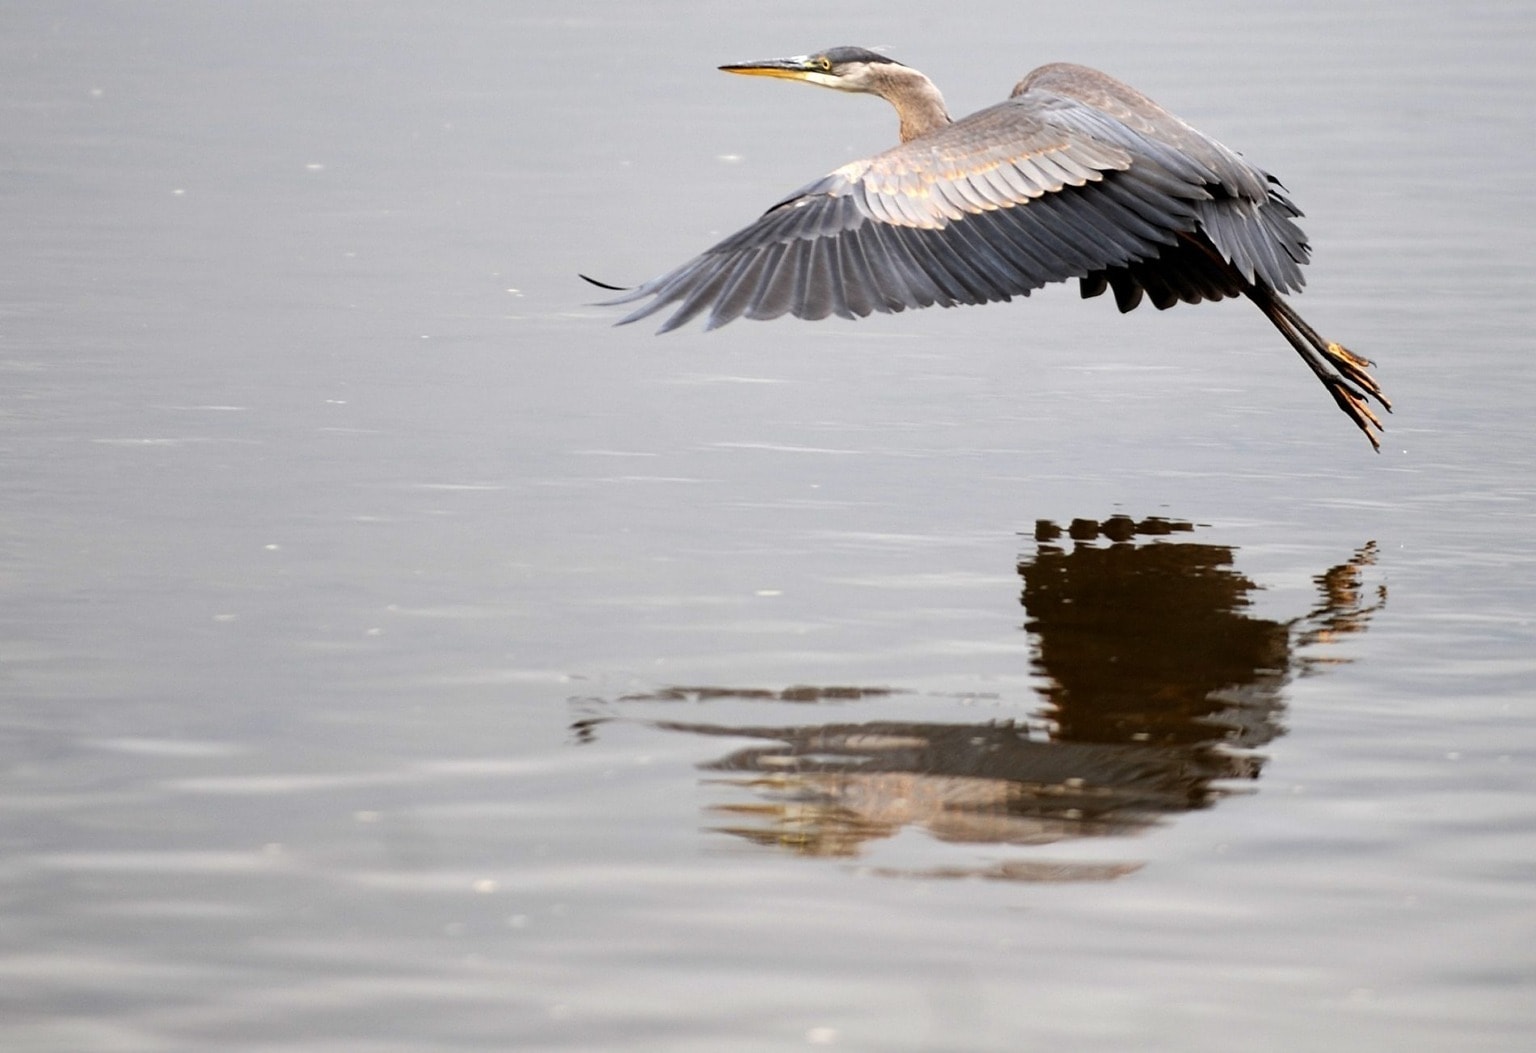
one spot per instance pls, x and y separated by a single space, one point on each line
1075 175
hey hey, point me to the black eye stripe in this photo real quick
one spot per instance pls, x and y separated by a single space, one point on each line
839 55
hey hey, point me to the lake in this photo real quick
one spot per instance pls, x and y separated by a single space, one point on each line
394 655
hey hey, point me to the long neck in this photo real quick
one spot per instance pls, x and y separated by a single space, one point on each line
918 103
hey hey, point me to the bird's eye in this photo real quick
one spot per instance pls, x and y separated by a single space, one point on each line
825 64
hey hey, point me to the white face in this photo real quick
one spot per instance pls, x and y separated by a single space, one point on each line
850 76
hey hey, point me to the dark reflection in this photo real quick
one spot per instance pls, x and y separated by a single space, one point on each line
798 693
1151 644
1159 686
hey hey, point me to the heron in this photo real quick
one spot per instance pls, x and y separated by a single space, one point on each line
1074 175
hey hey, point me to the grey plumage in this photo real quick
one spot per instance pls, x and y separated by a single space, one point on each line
1074 176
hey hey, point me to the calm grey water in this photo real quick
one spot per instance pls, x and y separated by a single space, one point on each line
394 656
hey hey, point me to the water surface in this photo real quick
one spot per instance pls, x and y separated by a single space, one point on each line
395 656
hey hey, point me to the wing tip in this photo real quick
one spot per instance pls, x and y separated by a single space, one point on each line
603 285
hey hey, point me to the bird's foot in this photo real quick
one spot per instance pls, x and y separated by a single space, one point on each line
1357 407
1355 367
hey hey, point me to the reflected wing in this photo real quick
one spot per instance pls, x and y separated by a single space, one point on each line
1037 189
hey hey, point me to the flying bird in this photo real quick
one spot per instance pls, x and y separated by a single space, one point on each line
1074 175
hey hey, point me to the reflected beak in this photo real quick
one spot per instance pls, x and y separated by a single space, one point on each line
789 68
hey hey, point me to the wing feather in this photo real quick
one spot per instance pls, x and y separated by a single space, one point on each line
855 267
778 283
737 295
916 284
996 189
699 297
1003 274
1034 257
837 280
940 261
1019 185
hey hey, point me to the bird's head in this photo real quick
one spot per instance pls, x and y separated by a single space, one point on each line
845 68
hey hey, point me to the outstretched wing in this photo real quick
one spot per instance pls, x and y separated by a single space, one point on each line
1248 218
1040 188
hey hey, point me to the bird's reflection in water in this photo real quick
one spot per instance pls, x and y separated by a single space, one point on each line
1159 687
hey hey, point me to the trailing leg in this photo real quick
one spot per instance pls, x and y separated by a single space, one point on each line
1351 386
